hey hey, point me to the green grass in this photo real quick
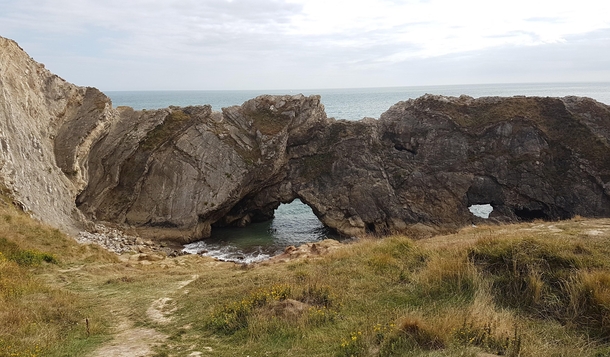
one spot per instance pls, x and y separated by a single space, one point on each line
38 318
11 251
396 297
559 278
536 289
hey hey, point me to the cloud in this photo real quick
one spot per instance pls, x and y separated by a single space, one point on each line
306 41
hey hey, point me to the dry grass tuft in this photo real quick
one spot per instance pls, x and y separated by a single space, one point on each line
589 301
414 329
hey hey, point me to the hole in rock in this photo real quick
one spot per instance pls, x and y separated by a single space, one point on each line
294 224
400 147
482 211
526 214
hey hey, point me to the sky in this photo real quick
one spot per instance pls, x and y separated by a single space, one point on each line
313 44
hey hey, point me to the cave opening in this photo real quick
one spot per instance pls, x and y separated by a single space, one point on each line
293 223
400 147
525 214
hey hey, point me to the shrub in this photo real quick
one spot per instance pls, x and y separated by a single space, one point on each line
589 301
526 273
485 337
24 257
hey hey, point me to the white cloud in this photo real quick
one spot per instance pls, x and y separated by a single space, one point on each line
284 37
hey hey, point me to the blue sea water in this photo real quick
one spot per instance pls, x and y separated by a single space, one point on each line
295 223
357 103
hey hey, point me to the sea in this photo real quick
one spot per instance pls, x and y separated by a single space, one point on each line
294 223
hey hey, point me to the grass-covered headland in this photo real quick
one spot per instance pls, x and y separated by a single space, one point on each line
535 289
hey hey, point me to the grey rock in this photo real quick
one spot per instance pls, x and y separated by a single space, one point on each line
46 128
423 162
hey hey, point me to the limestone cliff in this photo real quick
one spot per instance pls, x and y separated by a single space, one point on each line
178 172
424 161
46 128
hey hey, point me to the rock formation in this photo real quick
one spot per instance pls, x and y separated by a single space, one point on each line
46 128
176 173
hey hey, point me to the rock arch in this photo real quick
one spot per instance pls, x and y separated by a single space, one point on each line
175 172
179 171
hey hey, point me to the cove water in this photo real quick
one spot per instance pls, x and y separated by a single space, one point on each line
295 223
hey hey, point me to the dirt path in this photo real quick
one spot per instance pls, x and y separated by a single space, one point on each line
161 309
132 341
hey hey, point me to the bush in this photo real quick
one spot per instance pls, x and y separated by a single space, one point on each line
589 301
526 273
234 315
11 251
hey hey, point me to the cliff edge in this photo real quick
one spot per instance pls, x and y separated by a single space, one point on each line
46 128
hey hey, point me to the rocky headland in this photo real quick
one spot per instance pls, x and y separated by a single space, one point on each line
73 161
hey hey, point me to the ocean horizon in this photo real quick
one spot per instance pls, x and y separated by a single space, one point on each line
356 103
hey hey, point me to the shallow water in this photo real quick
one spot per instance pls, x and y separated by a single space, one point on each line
294 224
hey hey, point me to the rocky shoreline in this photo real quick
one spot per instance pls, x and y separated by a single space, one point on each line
116 241
138 249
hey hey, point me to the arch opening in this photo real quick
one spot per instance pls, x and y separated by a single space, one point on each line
481 210
292 223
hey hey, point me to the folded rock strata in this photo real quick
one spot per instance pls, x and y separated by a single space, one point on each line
175 173
46 129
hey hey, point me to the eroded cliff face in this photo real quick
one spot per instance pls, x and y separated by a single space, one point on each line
427 160
176 173
46 128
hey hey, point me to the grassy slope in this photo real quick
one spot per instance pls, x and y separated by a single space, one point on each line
538 289
37 318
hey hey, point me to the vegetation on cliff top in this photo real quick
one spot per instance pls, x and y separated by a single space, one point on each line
536 289
173 123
